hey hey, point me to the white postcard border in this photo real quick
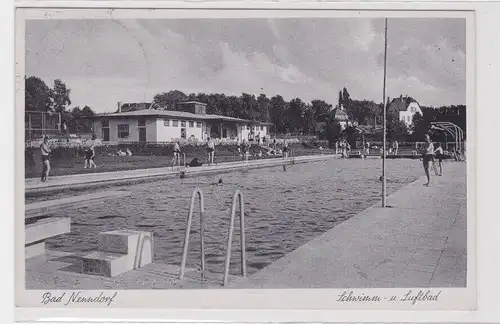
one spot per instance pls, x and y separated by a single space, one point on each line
452 298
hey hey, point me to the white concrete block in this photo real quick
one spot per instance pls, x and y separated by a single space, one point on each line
119 252
34 250
105 264
122 241
46 228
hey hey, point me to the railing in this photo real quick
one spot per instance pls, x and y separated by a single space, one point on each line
236 197
196 192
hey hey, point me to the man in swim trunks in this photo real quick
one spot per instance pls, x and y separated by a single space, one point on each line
285 149
244 150
45 150
427 157
177 154
439 157
211 151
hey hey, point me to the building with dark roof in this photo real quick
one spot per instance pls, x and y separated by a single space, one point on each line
404 108
140 123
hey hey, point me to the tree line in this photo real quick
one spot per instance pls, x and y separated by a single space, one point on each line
294 116
39 97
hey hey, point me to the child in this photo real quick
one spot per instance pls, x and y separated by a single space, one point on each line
89 157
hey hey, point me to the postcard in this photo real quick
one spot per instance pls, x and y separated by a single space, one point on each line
245 159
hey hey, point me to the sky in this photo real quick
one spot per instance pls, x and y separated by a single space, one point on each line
106 61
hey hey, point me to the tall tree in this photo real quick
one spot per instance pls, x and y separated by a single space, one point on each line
37 95
321 109
169 100
296 114
332 130
346 98
277 112
60 96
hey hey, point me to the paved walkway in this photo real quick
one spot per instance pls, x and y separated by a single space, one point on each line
419 242
116 177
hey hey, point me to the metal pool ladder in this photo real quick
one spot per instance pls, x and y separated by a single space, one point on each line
237 197
199 193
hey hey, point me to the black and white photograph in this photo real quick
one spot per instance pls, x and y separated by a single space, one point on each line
227 153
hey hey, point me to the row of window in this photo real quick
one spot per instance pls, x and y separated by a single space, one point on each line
175 123
407 118
256 128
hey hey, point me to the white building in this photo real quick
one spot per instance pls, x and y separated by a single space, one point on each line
404 108
156 126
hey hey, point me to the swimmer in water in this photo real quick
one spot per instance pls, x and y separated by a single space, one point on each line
218 183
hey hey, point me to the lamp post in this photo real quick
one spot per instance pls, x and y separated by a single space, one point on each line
384 183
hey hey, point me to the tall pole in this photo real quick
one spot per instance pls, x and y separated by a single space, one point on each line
384 183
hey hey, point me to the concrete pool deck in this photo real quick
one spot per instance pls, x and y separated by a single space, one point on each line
88 180
419 242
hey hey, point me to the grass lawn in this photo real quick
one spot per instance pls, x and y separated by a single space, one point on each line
106 163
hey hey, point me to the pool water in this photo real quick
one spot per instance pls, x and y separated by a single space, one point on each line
283 210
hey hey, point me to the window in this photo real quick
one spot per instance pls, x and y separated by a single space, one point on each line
166 122
408 118
198 124
123 130
261 128
183 123
403 118
142 122
175 123
191 124
105 123
248 127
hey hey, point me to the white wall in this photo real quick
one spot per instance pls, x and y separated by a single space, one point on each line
407 116
133 130
151 133
167 133
256 129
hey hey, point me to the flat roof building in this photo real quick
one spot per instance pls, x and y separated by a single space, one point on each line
157 125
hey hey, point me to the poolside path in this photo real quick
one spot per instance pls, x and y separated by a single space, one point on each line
419 242
127 176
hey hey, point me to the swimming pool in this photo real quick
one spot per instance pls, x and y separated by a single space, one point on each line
283 209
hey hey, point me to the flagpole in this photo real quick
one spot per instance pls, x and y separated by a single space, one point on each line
384 183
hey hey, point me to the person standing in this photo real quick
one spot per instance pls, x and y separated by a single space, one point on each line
45 150
396 147
428 156
285 149
211 151
177 154
439 157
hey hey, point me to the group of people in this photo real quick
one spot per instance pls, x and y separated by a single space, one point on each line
432 155
45 151
243 150
343 147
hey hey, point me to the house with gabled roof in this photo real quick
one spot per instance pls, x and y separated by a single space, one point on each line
404 108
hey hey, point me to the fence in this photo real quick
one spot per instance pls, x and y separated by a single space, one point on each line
39 123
